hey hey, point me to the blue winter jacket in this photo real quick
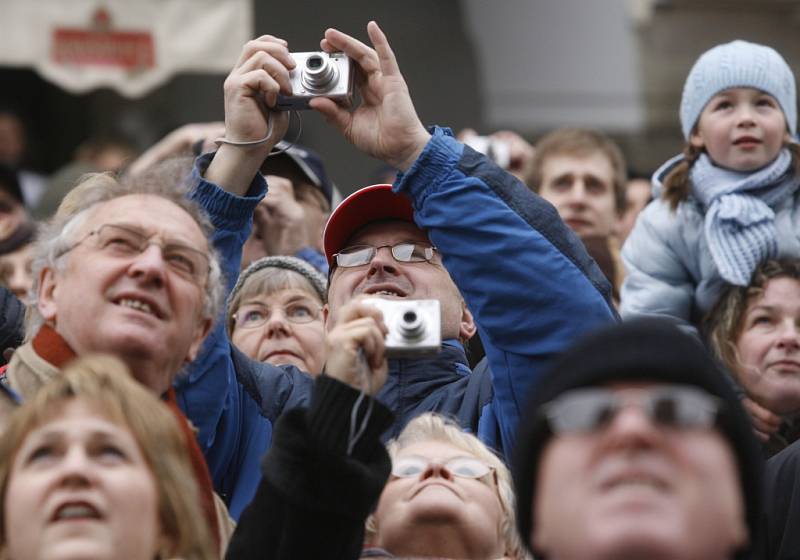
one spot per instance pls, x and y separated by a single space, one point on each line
524 275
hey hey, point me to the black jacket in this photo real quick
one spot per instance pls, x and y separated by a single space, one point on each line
780 538
310 486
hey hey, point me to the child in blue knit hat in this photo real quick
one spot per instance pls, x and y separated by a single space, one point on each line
730 200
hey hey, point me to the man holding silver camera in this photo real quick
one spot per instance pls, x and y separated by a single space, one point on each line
456 220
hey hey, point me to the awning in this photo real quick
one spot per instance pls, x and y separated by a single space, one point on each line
131 47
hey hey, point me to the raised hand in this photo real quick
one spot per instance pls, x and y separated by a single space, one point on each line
385 125
357 326
281 220
765 422
521 154
178 142
251 90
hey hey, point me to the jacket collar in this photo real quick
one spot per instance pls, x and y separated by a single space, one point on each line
448 364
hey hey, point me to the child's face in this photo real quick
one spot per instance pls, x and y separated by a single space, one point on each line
741 129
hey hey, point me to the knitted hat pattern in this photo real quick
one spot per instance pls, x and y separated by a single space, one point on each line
738 64
301 267
643 350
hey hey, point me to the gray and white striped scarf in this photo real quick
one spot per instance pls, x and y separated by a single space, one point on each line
739 217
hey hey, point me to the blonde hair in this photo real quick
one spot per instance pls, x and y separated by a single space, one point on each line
432 426
105 382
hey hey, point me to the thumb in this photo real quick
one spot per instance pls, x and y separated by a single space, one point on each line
334 114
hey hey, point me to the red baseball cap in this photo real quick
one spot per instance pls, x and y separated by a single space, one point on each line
370 204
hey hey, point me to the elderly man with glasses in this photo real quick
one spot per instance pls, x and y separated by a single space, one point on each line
125 269
460 231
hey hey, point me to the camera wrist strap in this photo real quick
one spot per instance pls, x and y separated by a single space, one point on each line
365 374
273 152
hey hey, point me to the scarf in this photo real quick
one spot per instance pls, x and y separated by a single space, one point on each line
54 349
739 217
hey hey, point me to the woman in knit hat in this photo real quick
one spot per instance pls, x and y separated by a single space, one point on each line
730 200
635 446
275 313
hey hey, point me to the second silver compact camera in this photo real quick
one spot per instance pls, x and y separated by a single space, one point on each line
318 74
415 328
496 150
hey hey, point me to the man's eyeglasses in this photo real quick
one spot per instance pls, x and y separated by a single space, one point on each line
592 409
411 466
125 241
252 315
405 252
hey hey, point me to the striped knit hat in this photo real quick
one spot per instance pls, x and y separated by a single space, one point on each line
301 267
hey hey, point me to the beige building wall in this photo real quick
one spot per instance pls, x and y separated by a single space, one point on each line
615 65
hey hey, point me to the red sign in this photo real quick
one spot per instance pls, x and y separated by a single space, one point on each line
102 46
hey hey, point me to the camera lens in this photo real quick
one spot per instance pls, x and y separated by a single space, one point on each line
319 73
314 62
412 326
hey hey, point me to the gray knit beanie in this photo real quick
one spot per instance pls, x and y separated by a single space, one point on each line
738 64
301 267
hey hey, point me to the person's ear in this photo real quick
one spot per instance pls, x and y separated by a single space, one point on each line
326 315
201 332
696 138
46 294
467 328
619 222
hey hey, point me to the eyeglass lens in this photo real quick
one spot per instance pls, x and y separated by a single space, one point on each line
586 410
126 241
253 315
359 255
465 467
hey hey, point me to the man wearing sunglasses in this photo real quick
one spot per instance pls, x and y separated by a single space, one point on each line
641 451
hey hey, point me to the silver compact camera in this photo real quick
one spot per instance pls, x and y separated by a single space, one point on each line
415 328
496 150
318 74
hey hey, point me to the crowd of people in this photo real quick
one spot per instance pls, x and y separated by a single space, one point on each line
197 368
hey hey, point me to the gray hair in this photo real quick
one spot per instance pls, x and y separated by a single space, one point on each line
57 236
269 275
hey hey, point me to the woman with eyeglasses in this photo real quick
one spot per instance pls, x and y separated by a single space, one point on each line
440 492
448 496
275 313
